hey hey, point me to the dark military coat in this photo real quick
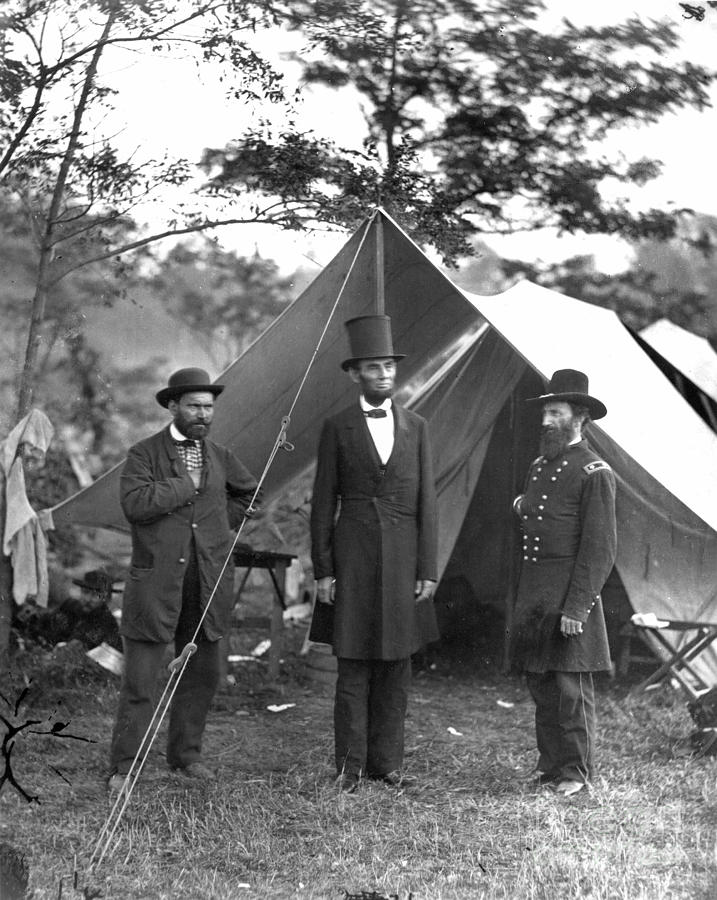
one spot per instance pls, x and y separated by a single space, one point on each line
384 538
567 515
168 514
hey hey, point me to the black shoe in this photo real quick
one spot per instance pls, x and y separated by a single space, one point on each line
196 771
395 779
347 783
568 787
116 785
536 778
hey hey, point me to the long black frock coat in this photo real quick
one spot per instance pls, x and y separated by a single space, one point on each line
384 538
567 514
167 513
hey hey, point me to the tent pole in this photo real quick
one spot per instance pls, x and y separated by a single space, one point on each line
510 544
380 285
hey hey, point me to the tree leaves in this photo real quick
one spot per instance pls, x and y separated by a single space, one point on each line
474 113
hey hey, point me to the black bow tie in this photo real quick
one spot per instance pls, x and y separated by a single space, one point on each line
375 413
186 443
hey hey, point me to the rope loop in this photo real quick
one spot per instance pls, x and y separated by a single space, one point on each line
188 650
282 441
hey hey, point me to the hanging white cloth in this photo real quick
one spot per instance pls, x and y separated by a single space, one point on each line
23 537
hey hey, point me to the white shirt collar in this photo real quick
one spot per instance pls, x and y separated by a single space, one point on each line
176 434
387 404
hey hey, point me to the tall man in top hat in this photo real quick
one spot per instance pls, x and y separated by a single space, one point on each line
181 493
567 515
377 562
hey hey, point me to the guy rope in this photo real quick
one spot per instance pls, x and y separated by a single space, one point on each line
177 667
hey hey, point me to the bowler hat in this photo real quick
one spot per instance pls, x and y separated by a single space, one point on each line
369 338
97 580
184 381
571 386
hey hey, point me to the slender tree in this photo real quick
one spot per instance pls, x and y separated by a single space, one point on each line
57 166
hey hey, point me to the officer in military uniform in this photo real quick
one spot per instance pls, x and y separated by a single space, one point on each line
567 516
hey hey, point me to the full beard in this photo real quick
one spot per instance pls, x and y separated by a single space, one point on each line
554 441
376 397
194 431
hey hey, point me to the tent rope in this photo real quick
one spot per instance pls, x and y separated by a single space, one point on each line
178 665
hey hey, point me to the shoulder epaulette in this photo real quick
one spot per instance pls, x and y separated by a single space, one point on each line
595 466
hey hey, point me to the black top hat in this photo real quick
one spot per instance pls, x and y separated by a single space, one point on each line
97 580
369 338
184 381
571 386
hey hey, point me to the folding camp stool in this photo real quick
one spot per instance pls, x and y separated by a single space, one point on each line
678 662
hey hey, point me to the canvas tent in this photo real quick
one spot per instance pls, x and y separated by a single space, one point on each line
482 432
689 362
691 354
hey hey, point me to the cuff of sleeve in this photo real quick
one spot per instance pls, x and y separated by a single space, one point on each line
579 609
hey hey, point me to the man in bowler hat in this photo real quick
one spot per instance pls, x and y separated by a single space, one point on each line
567 516
376 563
88 618
182 494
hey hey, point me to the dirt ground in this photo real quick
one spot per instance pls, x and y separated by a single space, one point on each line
274 826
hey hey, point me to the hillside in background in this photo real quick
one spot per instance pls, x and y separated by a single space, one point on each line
674 279
137 330
683 267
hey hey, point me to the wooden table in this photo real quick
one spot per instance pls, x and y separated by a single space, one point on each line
276 565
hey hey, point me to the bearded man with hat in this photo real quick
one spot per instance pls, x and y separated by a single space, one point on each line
375 563
88 618
182 494
567 516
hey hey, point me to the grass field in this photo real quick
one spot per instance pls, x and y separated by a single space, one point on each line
273 826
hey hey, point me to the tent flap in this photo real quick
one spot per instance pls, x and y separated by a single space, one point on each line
663 454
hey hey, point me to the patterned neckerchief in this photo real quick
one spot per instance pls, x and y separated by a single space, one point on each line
190 452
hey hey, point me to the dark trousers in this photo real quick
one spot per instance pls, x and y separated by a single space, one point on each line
143 663
369 714
564 723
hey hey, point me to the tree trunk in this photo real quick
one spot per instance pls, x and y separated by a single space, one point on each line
47 247
390 113
6 601
6 607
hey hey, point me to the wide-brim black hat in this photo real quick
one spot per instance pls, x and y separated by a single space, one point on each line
185 381
571 386
97 580
369 338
